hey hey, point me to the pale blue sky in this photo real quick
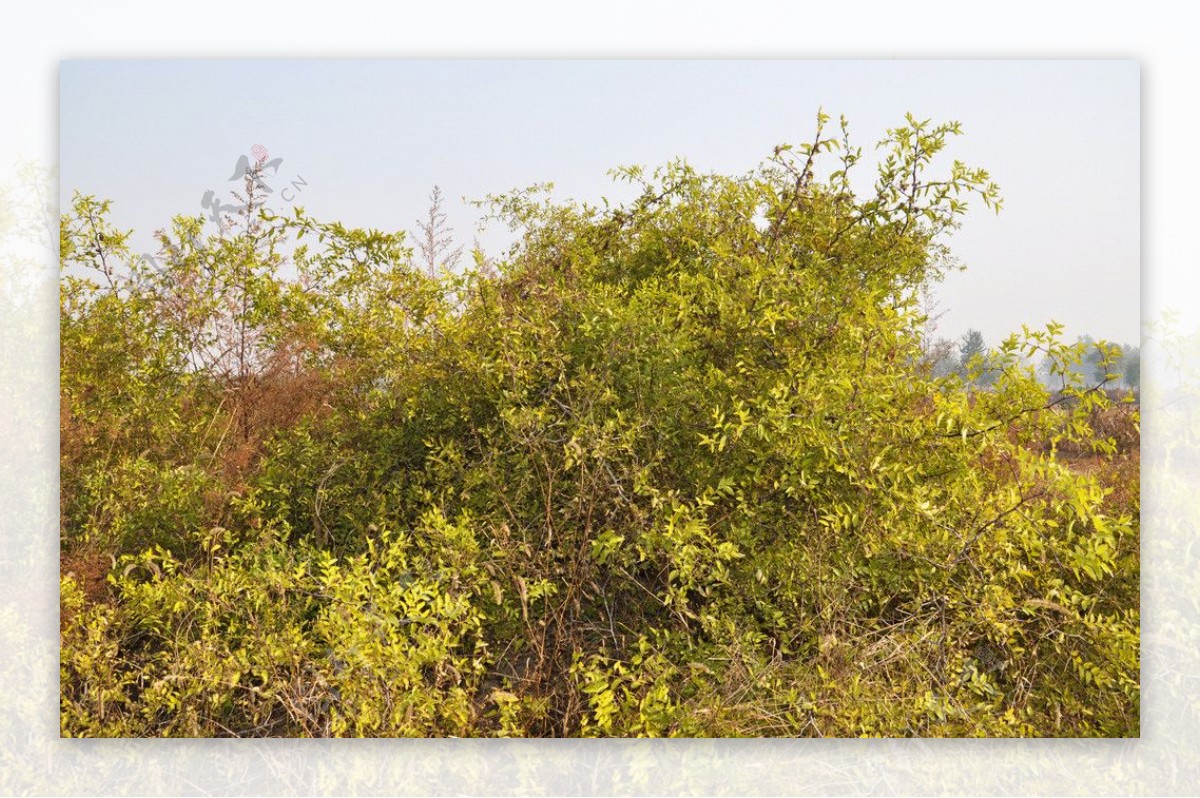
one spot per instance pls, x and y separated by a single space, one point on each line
370 139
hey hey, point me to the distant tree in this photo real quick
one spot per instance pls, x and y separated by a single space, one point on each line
435 238
931 315
971 345
938 356
1102 360
941 358
1097 360
1095 366
1132 367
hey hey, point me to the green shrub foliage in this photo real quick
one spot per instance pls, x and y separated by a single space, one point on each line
677 467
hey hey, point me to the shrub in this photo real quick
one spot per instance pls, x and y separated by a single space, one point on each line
672 469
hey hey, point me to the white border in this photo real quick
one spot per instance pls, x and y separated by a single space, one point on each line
34 761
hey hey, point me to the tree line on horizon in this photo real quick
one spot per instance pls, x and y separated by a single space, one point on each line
1102 361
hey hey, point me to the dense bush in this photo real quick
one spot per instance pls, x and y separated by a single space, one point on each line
676 467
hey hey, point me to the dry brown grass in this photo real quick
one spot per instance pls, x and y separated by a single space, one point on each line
90 570
1119 474
1120 423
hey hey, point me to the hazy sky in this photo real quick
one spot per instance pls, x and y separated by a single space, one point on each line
367 140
